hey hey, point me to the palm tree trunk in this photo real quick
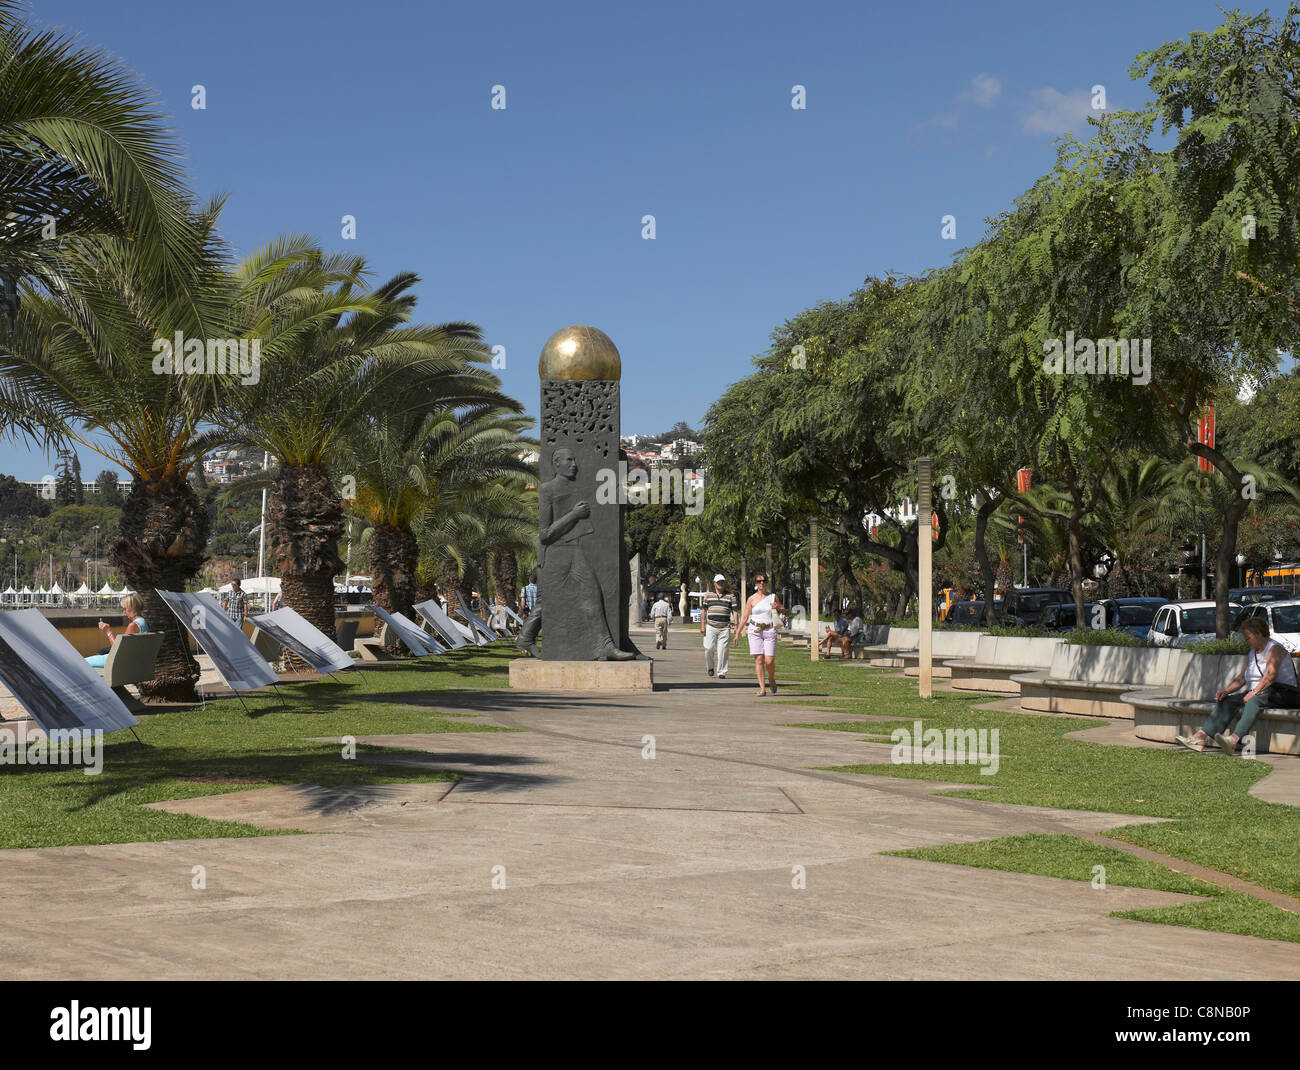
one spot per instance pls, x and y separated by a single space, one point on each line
304 517
451 588
393 554
497 562
159 546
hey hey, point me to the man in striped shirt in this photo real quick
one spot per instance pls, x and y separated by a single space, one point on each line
235 602
715 625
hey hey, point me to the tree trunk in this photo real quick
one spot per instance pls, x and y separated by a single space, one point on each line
484 575
304 519
982 518
503 584
393 554
1076 566
1223 563
159 546
451 589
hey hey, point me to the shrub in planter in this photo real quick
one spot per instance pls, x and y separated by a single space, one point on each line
1104 637
1219 646
1019 631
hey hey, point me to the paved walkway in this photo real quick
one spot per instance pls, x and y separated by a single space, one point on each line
614 865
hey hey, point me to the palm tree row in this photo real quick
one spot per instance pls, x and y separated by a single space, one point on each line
129 329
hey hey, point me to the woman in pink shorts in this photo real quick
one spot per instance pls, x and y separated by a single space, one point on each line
758 615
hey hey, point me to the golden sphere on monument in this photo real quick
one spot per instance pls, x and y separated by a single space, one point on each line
580 353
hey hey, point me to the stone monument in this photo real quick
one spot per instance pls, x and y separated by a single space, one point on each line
584 582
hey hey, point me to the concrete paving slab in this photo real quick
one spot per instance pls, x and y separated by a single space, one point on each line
606 864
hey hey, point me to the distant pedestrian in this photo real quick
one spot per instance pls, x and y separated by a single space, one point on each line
529 597
662 614
234 603
716 615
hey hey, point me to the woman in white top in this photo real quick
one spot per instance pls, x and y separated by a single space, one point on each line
1269 678
758 615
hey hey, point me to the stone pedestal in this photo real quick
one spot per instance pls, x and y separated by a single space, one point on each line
531 674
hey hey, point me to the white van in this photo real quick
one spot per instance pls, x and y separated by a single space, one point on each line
1283 621
1181 623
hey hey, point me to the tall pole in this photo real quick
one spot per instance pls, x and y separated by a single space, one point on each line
1024 482
814 571
925 593
347 565
1202 566
261 535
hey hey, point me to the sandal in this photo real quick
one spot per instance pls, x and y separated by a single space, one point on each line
760 694
1192 743
1226 743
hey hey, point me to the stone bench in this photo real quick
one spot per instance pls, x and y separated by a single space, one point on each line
1181 706
998 660
1091 681
887 651
944 645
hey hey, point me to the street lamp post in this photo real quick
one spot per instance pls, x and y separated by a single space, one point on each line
97 556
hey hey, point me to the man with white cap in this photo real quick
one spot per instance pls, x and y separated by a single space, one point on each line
715 625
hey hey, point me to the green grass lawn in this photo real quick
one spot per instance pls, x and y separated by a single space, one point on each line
1215 823
1074 858
220 748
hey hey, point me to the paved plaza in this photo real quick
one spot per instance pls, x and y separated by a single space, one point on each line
614 865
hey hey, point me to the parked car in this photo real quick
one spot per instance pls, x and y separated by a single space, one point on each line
1249 596
1132 615
1024 605
1061 617
972 612
1283 621
1181 623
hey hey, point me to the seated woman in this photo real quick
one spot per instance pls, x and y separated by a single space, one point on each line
132 607
1269 677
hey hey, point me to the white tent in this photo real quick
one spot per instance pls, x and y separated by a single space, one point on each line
57 596
105 590
83 589
256 585
9 595
123 591
208 590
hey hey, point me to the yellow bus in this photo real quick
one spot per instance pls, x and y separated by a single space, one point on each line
1283 575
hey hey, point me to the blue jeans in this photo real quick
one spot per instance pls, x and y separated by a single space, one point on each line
1230 705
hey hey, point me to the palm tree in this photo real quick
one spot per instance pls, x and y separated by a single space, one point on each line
457 541
86 351
349 354
83 151
412 466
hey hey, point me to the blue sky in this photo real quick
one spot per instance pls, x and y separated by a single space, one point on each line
528 219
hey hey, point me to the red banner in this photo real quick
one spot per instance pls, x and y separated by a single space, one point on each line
1024 480
1205 436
